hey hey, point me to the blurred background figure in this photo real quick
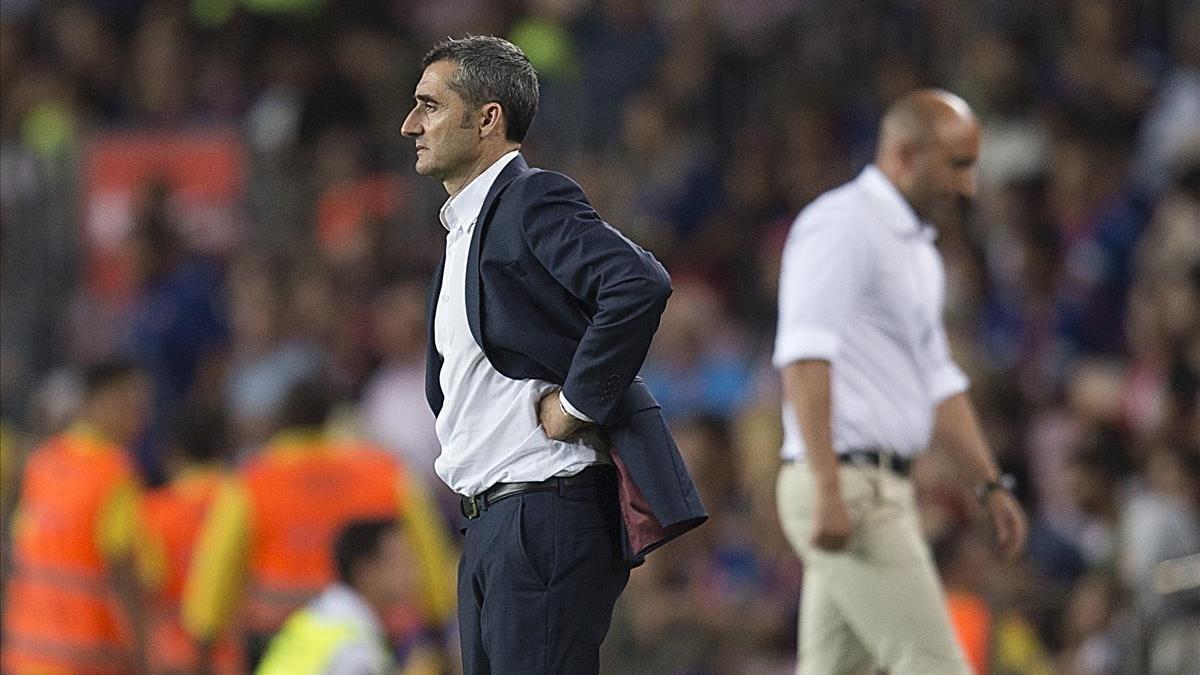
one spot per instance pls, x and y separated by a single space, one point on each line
269 355
342 630
869 385
73 601
254 145
962 561
198 451
176 328
394 410
263 548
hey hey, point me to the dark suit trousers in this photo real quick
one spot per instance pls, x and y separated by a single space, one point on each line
537 581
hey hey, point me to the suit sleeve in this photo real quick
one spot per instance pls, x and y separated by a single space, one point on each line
625 285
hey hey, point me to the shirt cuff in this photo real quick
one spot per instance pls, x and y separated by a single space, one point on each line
572 410
946 382
805 343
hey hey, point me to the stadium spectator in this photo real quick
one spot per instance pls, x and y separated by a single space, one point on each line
341 632
198 448
962 562
393 406
262 551
73 600
176 324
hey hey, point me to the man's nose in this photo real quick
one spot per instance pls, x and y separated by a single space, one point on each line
409 127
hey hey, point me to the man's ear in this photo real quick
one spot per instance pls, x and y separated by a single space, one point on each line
909 153
491 119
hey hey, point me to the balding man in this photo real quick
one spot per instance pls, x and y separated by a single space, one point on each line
868 384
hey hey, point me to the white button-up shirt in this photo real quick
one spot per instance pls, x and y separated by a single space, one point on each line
861 286
488 426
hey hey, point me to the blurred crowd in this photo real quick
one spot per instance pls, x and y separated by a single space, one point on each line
300 246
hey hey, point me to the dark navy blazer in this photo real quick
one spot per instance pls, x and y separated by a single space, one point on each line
555 293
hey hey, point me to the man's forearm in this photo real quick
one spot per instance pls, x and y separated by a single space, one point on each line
956 428
807 385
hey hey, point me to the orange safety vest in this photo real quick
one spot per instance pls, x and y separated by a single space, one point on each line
173 515
301 495
62 614
972 621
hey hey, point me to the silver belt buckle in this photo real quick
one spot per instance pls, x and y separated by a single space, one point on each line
469 507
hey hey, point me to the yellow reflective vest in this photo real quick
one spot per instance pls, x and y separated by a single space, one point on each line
310 641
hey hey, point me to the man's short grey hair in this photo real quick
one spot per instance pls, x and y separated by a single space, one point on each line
492 70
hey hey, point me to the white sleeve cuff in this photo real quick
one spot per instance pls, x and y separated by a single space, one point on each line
805 343
947 382
572 410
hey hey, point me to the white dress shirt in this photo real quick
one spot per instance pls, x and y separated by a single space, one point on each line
861 286
488 426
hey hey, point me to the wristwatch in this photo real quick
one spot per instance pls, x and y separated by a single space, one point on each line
985 489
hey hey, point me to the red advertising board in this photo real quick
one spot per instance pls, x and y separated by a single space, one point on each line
204 171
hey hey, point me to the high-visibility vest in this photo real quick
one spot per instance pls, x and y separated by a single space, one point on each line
300 497
308 642
173 515
62 614
972 621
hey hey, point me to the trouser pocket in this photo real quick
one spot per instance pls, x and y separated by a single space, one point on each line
534 525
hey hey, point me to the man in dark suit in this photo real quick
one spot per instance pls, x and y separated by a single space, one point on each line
540 317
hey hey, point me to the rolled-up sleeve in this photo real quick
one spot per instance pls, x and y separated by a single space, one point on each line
946 382
945 377
826 265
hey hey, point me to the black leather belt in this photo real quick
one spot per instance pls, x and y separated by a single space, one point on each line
899 464
472 507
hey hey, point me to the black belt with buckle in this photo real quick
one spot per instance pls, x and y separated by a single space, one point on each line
899 464
471 507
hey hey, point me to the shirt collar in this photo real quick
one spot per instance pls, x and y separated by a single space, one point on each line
460 211
899 215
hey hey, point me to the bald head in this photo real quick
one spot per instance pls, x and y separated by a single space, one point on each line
928 147
920 115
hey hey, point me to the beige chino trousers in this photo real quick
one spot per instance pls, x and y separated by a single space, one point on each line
878 603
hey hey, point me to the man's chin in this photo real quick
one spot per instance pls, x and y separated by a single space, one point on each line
954 212
946 212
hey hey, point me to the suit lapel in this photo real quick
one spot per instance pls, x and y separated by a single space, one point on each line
435 288
515 167
433 359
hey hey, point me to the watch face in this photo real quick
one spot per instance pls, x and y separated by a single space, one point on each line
985 489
